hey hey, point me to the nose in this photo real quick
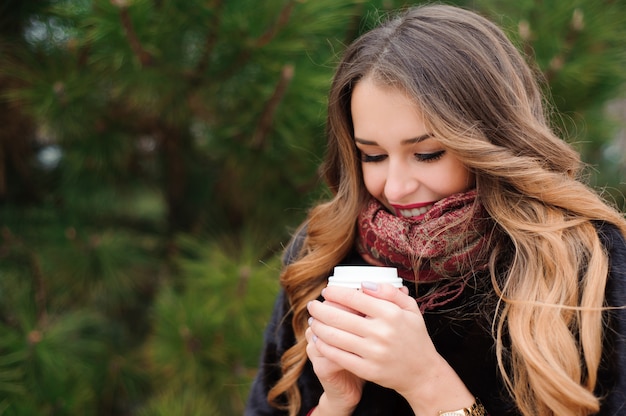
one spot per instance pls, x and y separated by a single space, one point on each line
399 184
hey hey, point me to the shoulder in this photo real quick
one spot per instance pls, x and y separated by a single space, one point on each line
612 372
610 235
615 245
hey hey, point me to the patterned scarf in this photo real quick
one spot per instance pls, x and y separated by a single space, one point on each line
446 246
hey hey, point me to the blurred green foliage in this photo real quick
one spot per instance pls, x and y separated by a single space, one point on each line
156 154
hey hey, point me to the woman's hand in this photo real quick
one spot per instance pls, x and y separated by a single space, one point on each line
386 342
342 389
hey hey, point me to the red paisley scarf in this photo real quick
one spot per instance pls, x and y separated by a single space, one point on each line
445 246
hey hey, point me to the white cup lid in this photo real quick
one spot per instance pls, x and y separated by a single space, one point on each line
352 276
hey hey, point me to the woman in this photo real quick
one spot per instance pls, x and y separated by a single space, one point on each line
443 165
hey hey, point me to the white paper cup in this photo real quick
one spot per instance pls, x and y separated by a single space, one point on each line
352 276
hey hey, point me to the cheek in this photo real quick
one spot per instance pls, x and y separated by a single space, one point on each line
455 178
373 181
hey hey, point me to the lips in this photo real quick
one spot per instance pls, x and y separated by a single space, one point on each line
412 211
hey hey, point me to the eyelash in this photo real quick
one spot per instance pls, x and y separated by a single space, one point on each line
420 157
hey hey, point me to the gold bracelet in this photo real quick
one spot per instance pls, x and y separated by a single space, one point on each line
477 409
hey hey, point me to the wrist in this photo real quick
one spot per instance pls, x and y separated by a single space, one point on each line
442 389
329 407
476 409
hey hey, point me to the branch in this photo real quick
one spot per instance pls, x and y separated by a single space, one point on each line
144 57
214 26
526 34
558 61
39 286
39 290
244 55
283 19
3 176
265 122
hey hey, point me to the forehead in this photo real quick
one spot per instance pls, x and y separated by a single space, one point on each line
380 110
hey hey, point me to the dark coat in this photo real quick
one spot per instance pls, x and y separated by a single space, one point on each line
462 335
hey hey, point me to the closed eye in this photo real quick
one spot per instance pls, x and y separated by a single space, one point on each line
372 158
429 157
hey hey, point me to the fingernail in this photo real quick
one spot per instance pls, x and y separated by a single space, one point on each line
310 320
369 286
314 338
323 290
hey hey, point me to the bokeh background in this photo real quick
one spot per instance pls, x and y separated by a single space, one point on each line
155 156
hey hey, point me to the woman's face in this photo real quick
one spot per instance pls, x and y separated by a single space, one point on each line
404 166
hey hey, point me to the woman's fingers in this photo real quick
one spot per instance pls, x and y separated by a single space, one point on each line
367 302
399 297
388 326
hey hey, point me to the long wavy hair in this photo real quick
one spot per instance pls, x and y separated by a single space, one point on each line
482 101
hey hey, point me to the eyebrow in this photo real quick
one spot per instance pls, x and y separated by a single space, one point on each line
405 142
